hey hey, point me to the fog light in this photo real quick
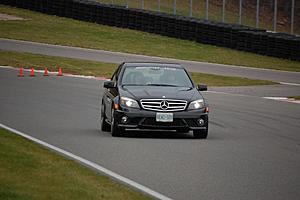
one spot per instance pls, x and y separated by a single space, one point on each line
200 122
124 119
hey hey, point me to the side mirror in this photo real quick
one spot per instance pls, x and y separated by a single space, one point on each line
109 84
202 87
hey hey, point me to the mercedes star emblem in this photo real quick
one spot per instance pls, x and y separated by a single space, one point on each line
164 105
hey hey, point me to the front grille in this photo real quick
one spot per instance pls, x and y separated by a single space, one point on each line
164 105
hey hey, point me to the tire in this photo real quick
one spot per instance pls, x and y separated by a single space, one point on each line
200 134
104 125
115 130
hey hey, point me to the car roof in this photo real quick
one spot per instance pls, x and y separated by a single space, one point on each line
151 64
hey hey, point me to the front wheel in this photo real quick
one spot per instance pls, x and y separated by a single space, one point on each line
104 125
116 131
200 134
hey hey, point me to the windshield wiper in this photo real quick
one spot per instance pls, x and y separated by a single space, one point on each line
167 85
130 84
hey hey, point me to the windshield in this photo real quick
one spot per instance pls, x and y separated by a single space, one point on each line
156 76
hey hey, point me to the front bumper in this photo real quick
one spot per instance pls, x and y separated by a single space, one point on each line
143 119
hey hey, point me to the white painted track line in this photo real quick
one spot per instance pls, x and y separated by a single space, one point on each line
285 83
95 166
284 99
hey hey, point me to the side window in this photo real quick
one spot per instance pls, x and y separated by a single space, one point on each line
114 77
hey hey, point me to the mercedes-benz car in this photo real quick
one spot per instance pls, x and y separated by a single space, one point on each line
153 96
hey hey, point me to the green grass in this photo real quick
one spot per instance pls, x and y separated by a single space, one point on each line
29 171
76 66
56 30
69 65
295 97
217 80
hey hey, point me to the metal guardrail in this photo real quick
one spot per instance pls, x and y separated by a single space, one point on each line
233 36
247 12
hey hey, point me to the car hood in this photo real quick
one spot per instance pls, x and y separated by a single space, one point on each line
158 92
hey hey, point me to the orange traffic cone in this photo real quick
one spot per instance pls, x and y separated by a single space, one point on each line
32 72
59 72
21 72
46 72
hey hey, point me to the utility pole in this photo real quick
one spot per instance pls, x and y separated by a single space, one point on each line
240 11
142 4
223 10
158 5
174 7
292 16
191 8
275 16
257 13
206 9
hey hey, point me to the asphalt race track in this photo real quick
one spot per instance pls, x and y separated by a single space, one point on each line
252 151
115 57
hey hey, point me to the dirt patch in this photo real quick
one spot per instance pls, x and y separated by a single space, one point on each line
6 17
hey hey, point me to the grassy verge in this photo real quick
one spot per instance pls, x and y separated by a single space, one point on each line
217 80
69 65
295 97
56 30
76 66
28 171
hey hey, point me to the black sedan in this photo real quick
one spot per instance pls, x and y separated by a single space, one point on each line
148 96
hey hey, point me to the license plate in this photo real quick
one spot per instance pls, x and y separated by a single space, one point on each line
164 117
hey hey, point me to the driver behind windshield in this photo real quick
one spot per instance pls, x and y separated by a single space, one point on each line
169 77
162 76
136 78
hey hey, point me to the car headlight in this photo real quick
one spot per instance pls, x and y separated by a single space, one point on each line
128 103
198 104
